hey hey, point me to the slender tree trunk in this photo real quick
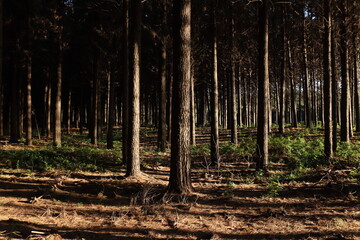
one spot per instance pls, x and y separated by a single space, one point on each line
308 117
1 72
14 107
215 156
162 125
48 106
68 120
328 150
240 104
192 108
111 111
133 164
292 88
334 87
282 77
263 88
28 79
57 118
234 137
180 171
95 102
356 86
344 74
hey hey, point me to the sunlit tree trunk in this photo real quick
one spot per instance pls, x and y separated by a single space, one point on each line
180 170
215 156
356 86
308 117
15 96
111 111
57 118
263 88
133 163
328 150
95 101
292 88
282 77
234 137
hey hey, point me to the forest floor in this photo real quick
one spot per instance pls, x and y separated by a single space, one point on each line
95 201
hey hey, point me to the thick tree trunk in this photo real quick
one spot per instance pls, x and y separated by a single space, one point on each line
263 88
328 150
133 163
57 118
180 171
345 95
111 111
215 156
125 61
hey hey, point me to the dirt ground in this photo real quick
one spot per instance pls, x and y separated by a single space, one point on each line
83 205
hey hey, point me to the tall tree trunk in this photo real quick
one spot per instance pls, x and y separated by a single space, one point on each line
162 125
334 91
215 156
133 164
14 115
28 79
48 105
292 88
1 72
240 104
68 115
328 150
125 60
234 137
192 108
95 101
344 74
282 77
57 118
356 86
308 117
263 88
111 111
180 171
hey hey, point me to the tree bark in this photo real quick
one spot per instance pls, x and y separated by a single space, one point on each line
356 86
162 125
282 77
234 137
133 164
308 116
57 118
215 156
111 111
263 88
180 170
328 148
192 108
344 74
292 88
15 96
334 87
95 101
1 72
125 61
28 79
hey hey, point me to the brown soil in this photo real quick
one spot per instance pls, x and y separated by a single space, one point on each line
83 205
